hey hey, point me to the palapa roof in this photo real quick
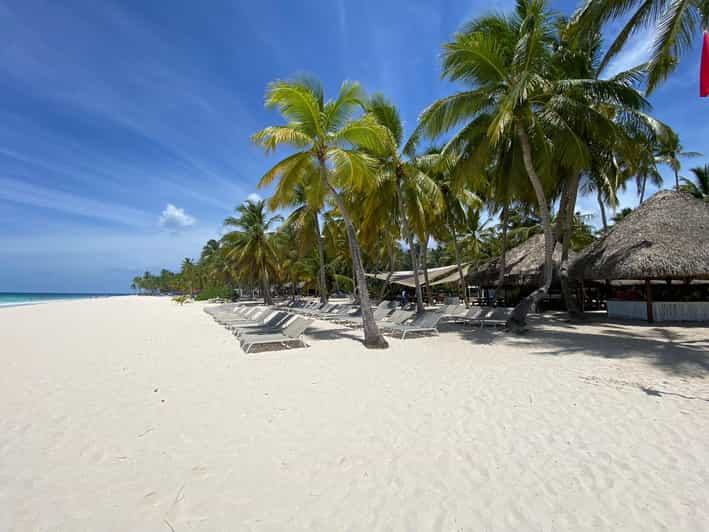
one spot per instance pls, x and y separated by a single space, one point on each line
667 237
524 265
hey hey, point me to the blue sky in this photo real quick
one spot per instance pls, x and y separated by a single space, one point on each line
124 126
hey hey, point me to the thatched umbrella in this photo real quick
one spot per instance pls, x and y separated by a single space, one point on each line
666 238
524 265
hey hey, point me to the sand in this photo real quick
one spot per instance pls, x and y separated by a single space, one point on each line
137 414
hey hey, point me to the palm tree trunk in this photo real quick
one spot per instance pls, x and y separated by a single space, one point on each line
424 264
642 189
676 179
602 206
408 235
461 277
372 337
503 253
266 288
390 253
518 318
566 214
321 259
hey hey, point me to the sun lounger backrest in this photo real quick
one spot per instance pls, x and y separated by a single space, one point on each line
276 318
381 312
400 316
488 313
428 319
501 313
475 312
296 327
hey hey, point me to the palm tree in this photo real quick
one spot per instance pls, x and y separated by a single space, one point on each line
669 151
188 274
676 24
459 203
700 189
327 134
647 172
519 102
403 187
306 199
618 216
251 245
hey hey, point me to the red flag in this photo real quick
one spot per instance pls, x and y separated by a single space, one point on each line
704 71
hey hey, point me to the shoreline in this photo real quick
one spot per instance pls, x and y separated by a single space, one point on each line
58 299
128 413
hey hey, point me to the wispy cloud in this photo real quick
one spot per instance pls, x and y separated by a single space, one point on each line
23 193
175 219
254 197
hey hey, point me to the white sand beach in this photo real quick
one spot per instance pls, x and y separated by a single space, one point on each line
137 414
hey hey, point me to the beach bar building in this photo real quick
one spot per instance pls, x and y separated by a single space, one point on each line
655 262
524 273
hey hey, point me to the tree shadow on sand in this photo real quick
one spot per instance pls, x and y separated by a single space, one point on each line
664 348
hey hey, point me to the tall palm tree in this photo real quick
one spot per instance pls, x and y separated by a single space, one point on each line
700 189
403 188
647 172
521 101
459 203
188 274
328 135
251 244
670 150
306 199
677 23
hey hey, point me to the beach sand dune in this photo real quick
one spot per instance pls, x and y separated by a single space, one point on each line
137 414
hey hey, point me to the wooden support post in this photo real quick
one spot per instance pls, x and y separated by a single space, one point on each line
648 300
583 297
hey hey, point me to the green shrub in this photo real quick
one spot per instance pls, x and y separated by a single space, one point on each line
223 292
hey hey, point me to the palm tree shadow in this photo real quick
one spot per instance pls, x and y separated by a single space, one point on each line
672 354
343 333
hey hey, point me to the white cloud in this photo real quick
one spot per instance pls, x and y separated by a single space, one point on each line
254 197
173 218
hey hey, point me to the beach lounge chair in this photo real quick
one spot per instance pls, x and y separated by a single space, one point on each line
250 315
270 319
291 334
397 318
498 316
475 314
338 312
274 324
422 324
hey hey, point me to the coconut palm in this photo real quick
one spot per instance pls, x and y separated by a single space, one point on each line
521 101
188 273
669 151
403 188
306 199
459 203
677 23
700 189
251 244
327 134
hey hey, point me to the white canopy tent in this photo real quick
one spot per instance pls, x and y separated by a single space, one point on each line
436 276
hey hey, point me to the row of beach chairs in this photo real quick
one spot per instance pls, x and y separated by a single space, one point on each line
401 322
259 326
285 325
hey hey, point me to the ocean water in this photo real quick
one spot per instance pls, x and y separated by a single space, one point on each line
13 299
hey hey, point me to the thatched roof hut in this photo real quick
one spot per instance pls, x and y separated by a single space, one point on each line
524 265
667 237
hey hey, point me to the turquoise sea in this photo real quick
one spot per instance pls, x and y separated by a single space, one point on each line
12 299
